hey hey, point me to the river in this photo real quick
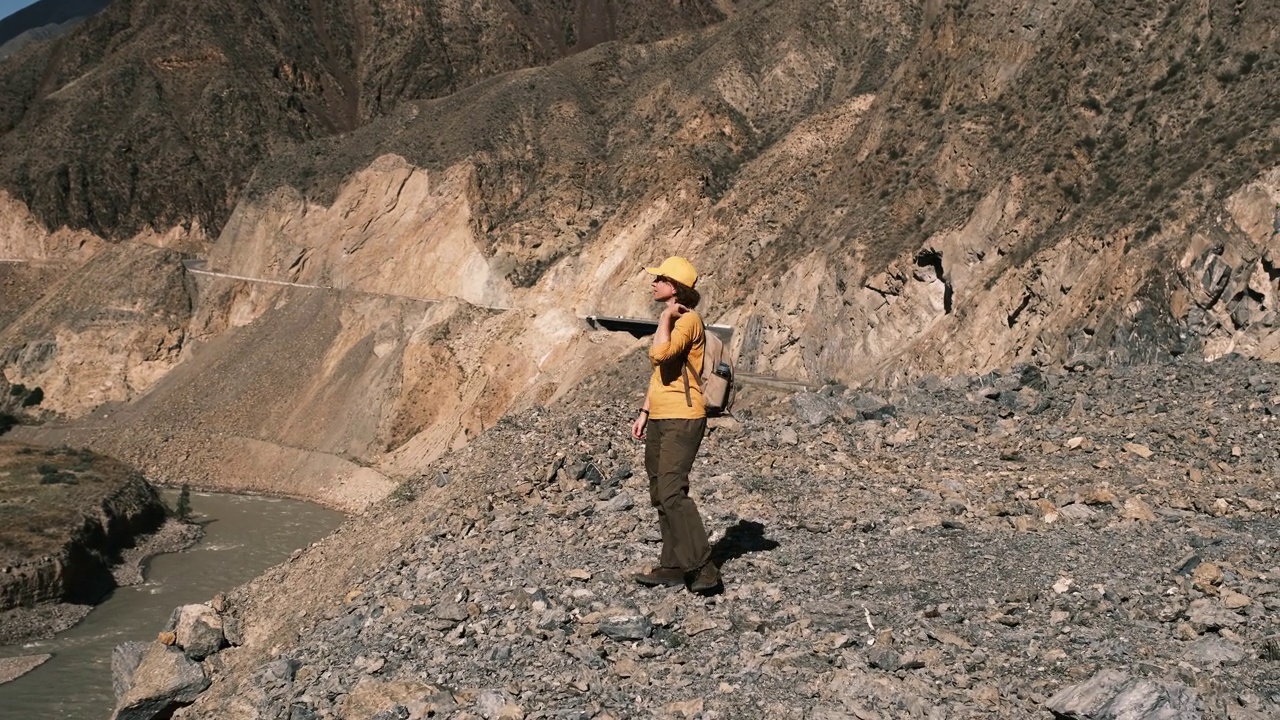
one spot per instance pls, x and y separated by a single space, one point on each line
244 535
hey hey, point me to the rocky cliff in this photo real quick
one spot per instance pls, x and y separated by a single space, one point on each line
102 331
907 189
67 516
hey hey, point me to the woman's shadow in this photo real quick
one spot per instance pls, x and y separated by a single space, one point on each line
745 537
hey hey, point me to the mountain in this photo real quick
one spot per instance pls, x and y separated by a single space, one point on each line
875 193
155 113
45 19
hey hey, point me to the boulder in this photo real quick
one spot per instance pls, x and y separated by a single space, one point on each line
124 663
197 630
813 408
872 407
1212 651
1115 695
164 680
1207 614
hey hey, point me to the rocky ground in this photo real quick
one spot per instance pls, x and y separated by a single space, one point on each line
1096 542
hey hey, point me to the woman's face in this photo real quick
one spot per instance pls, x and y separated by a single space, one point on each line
663 289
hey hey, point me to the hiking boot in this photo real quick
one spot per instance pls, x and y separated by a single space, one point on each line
706 581
661 577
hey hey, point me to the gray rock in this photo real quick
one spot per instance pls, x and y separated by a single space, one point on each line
1212 651
1271 648
1114 695
450 611
626 625
873 407
124 662
1209 614
1029 376
550 475
813 408
490 703
231 630
284 669
591 474
884 658
164 680
198 630
1076 512
620 502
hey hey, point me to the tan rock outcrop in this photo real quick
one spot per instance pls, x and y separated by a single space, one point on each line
394 229
103 333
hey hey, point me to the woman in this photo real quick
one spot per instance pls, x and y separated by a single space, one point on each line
671 422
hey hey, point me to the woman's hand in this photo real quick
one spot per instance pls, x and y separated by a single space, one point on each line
674 311
637 427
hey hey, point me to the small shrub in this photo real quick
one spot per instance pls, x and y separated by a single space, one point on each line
183 510
1247 62
59 478
33 398
47 469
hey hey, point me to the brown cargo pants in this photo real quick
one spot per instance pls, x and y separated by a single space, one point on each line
670 447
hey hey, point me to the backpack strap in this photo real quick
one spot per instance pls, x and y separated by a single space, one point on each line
688 366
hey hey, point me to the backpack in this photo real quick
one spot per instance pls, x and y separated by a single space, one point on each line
716 379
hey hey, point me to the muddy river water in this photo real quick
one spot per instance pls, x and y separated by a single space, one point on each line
244 536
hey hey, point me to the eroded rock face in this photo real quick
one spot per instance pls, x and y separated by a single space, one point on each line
80 537
125 659
106 333
393 229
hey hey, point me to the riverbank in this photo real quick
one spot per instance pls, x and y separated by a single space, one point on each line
42 621
14 668
243 535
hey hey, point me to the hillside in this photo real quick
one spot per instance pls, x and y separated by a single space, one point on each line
1004 546
153 115
875 193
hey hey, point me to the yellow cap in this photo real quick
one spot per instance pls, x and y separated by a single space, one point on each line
678 269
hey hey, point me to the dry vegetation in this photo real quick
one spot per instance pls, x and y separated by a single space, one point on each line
45 492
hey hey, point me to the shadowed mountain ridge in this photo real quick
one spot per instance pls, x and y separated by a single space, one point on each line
155 113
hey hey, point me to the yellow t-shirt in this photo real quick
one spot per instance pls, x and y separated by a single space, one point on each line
667 398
